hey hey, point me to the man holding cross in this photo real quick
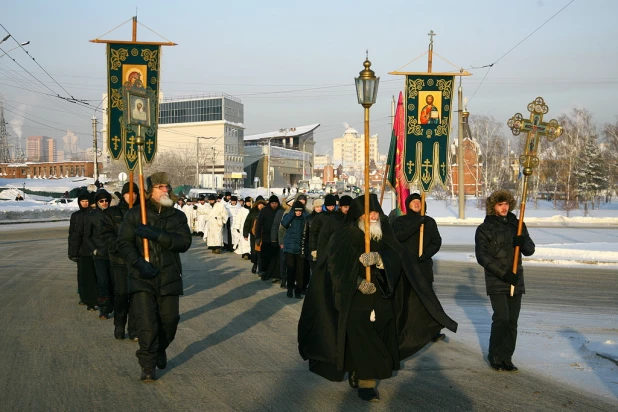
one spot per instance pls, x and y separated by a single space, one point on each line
495 242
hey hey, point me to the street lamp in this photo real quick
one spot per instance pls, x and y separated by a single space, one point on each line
367 92
20 45
5 38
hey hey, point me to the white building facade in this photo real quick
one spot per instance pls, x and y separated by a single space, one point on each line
349 150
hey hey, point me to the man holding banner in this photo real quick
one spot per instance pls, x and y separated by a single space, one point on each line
155 284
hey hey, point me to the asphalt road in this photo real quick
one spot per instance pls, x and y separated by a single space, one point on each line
236 344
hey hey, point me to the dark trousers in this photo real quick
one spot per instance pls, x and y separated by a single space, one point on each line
268 257
156 319
295 265
504 325
87 281
122 298
105 282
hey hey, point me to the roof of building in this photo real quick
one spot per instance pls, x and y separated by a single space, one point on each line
290 132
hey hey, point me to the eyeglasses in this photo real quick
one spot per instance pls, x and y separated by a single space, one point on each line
103 201
162 187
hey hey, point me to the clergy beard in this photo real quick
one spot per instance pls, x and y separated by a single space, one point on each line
165 200
375 229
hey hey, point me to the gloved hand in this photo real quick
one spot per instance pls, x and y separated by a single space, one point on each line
152 233
421 220
145 269
314 254
194 207
366 288
422 258
370 259
519 240
511 277
74 258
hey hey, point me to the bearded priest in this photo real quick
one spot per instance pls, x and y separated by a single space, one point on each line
365 329
155 284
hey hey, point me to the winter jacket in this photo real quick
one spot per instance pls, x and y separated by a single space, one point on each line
92 229
294 226
77 247
164 257
407 231
114 215
265 222
316 227
495 252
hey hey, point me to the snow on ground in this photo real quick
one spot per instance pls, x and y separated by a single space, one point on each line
575 348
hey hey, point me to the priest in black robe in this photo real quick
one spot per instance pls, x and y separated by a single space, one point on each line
364 329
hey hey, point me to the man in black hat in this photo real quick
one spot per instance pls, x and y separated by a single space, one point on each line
366 327
110 226
330 204
267 237
79 253
155 284
97 246
407 230
333 222
495 242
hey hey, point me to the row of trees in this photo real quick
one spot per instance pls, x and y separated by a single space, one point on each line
580 168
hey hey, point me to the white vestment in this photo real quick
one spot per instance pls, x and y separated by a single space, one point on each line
242 246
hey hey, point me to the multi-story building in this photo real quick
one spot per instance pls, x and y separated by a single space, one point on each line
40 149
208 132
349 150
284 156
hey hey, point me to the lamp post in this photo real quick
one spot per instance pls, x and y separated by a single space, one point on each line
24 187
16 47
367 92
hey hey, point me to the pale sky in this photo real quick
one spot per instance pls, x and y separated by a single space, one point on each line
269 53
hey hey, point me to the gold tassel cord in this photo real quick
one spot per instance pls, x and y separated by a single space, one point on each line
120 25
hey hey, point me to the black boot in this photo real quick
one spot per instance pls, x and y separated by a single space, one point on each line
352 380
254 268
495 363
148 375
104 309
119 332
509 367
290 293
284 283
369 394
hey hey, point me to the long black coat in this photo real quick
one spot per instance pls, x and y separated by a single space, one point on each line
165 259
316 228
77 247
495 252
265 221
110 226
407 231
330 224
324 316
92 234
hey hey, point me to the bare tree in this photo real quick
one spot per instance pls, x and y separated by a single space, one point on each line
493 151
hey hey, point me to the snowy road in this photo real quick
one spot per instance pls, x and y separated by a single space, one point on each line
236 345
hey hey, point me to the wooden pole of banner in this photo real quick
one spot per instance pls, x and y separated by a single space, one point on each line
131 174
384 183
422 229
142 196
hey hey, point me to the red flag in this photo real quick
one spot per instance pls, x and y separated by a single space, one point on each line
396 175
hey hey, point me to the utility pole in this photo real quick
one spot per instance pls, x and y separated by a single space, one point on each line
460 154
94 145
5 156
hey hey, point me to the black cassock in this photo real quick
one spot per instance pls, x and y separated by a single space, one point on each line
334 330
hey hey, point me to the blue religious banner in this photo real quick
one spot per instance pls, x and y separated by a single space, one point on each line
133 88
428 104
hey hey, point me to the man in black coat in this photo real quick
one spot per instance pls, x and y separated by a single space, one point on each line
267 237
110 226
407 230
78 252
348 324
495 242
332 222
155 284
247 231
330 204
97 246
